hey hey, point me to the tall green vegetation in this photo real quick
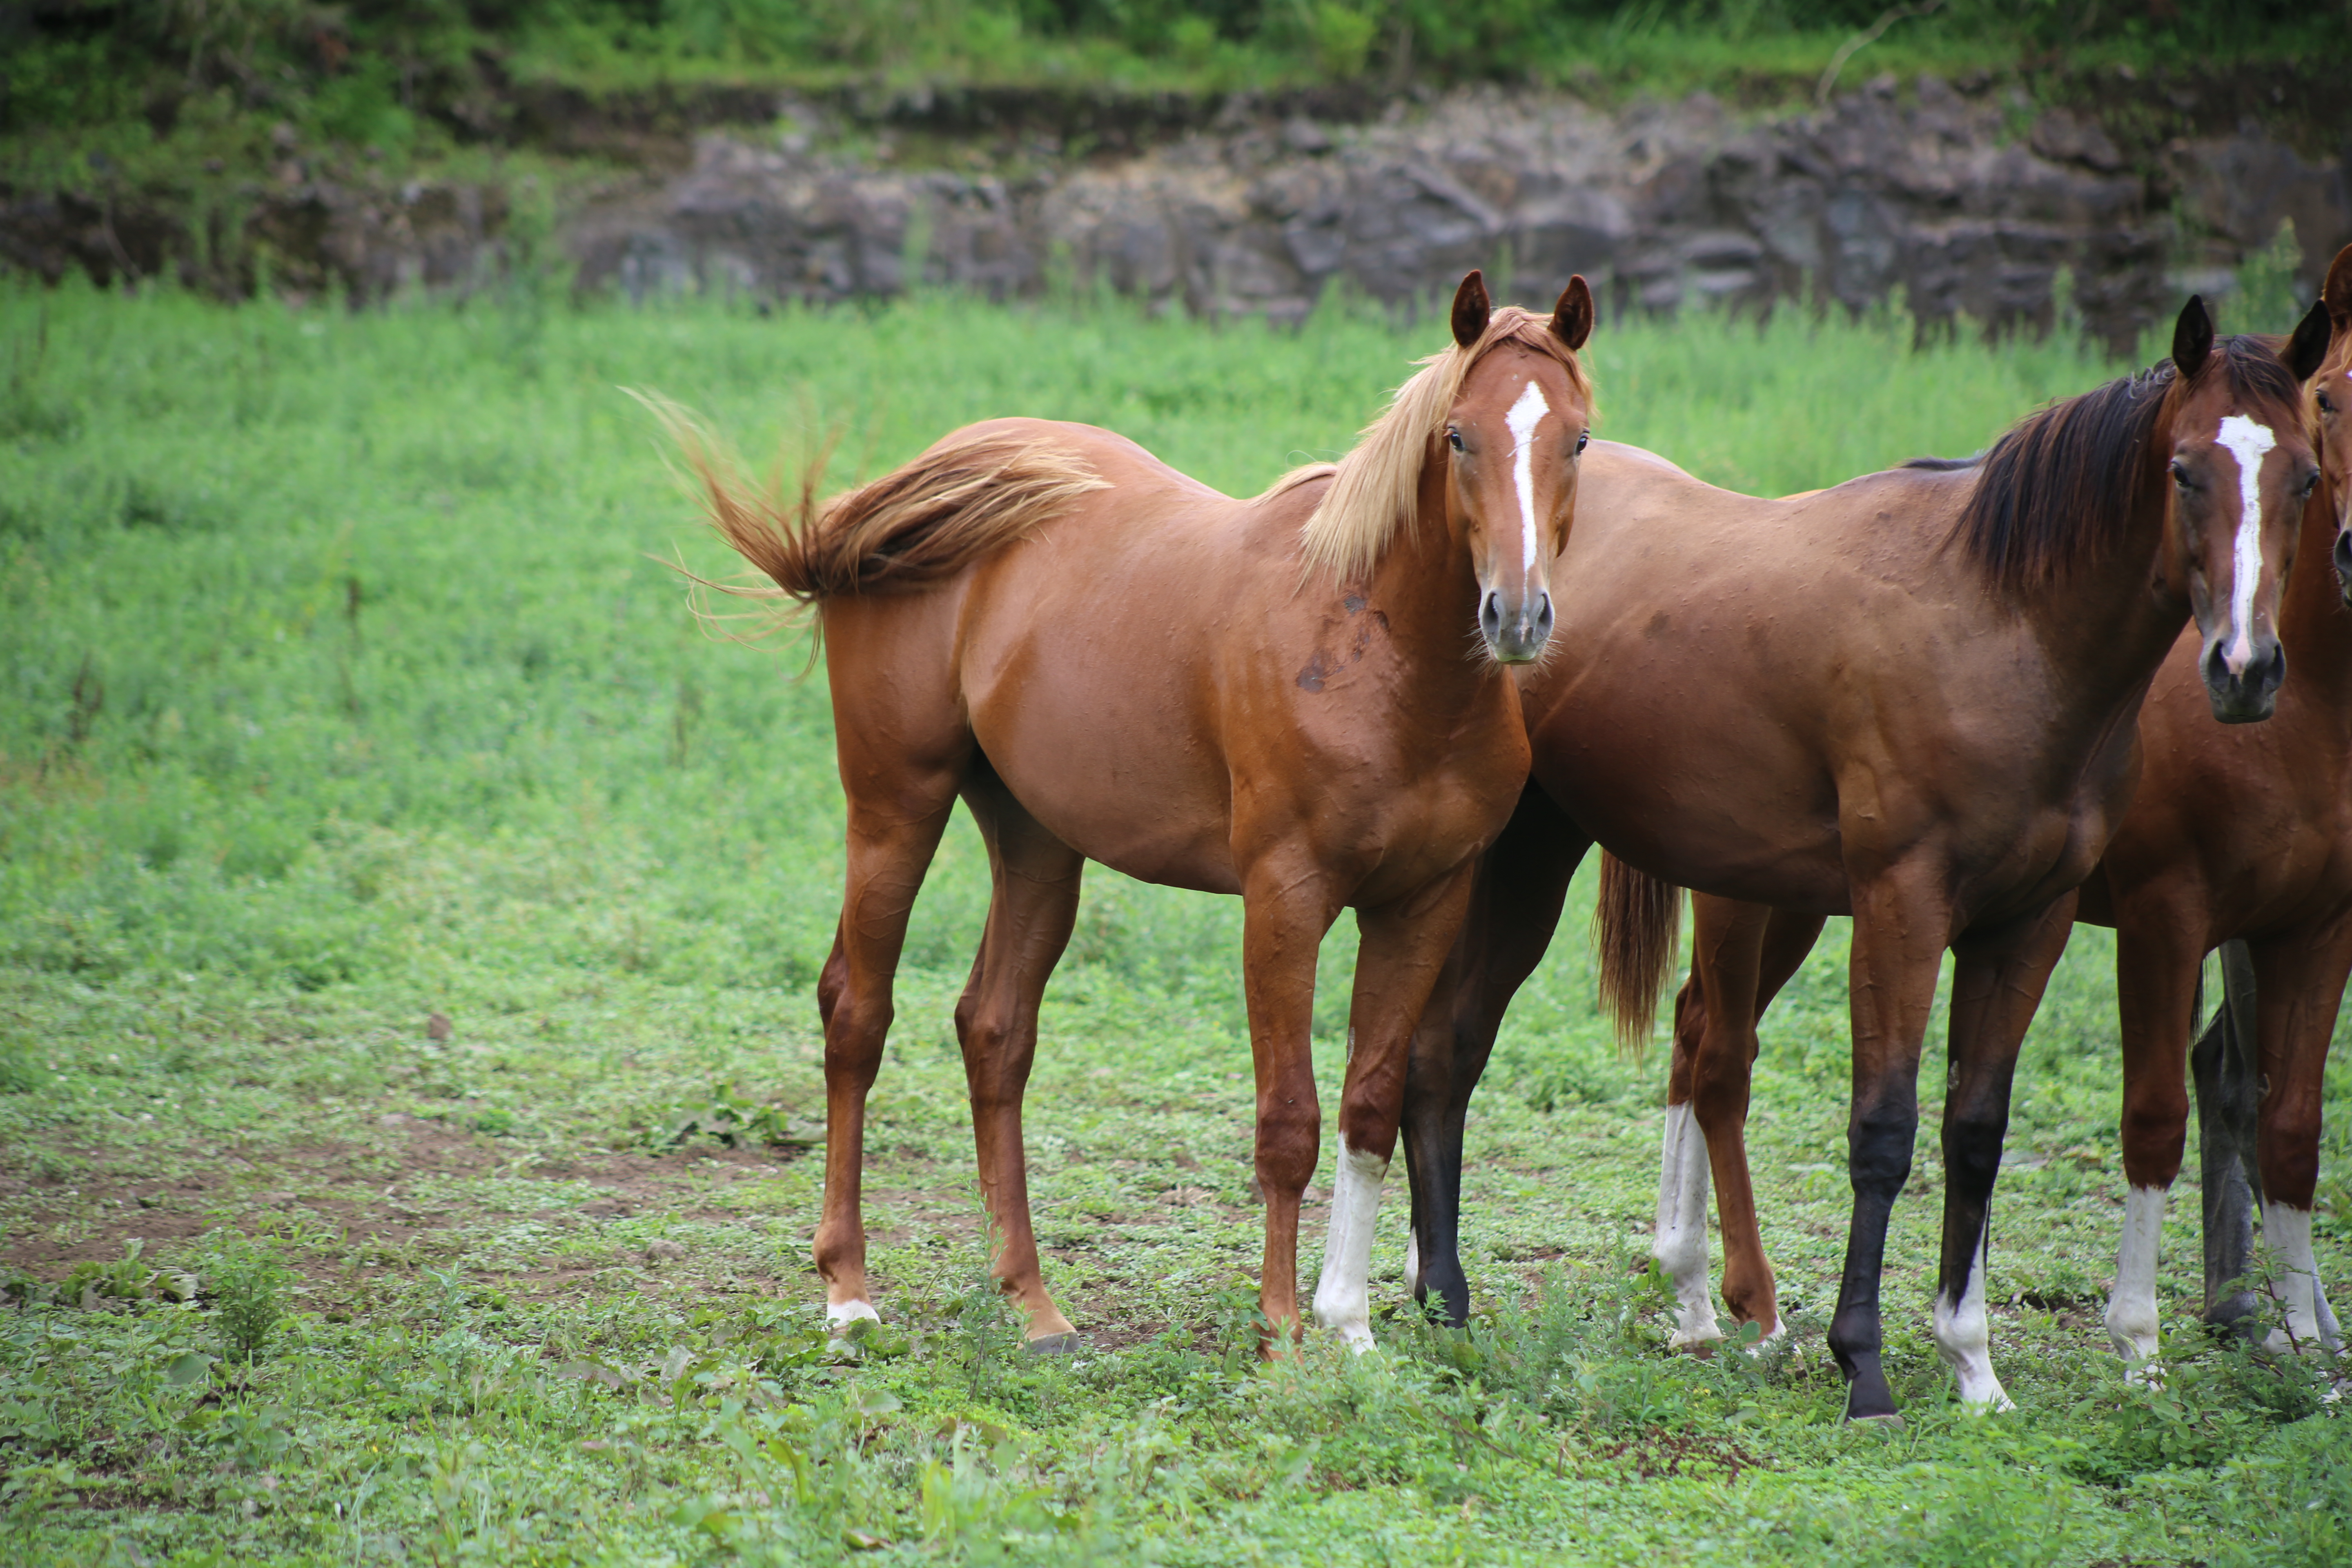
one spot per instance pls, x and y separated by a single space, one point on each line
391 73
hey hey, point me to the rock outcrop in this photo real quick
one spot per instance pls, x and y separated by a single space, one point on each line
1929 190
1963 200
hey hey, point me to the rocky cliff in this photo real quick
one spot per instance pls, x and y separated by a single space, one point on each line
1964 198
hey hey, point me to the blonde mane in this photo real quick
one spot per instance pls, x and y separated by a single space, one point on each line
1376 488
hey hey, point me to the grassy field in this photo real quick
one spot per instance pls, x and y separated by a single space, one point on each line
407 926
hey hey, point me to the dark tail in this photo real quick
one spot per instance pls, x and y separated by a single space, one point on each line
1636 925
914 528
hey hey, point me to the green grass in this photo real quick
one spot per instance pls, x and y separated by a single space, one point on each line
397 891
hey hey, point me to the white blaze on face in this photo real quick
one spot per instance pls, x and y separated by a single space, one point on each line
1679 1243
2246 441
1342 1297
2131 1309
1964 1338
1524 416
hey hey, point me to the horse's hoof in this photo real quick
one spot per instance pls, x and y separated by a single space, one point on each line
1064 1343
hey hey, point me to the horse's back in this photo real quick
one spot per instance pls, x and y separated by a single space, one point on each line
1794 646
1117 458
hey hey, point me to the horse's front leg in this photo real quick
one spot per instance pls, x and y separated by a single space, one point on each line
1514 906
2160 946
1403 946
1998 979
1287 907
1902 921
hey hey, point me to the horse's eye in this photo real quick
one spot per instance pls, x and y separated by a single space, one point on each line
2327 404
2179 474
2310 483
1583 441
1453 439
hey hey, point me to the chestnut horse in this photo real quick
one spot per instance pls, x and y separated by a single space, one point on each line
2236 835
1911 698
1301 699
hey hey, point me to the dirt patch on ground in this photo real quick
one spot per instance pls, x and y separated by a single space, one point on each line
111 1200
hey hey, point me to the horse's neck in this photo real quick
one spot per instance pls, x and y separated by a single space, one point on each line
2314 623
1426 589
2105 631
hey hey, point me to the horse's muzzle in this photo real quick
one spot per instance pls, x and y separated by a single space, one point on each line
1518 635
2247 695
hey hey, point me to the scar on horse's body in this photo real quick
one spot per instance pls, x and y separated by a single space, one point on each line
2238 837
1910 698
1108 660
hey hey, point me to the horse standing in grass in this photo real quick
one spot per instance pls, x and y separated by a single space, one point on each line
1912 698
1302 698
2240 838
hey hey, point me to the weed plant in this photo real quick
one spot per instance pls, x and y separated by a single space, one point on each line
245 1281
402 902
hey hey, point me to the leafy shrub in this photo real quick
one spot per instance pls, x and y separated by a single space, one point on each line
2293 1501
2219 1395
128 1278
248 1282
1585 1350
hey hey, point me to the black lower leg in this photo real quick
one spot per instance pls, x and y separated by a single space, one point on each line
1878 1160
2229 1099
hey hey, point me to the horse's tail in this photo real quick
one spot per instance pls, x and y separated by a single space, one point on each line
1636 925
912 529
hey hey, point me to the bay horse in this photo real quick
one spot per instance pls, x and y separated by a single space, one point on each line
1911 698
2238 837
1303 698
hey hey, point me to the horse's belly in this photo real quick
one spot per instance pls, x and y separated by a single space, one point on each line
1130 789
1703 805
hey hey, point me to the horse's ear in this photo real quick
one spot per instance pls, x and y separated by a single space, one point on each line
2307 350
2336 295
1471 308
1571 319
2192 337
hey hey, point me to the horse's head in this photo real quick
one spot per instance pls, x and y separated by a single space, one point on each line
2331 397
1509 443
2239 467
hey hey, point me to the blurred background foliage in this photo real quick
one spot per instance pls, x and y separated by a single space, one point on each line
385 73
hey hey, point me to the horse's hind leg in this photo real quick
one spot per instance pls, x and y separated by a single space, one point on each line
890 846
1031 910
1741 956
1515 903
2229 1103
2299 983
1998 979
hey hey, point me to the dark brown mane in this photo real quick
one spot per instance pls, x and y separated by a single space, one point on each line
2061 489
